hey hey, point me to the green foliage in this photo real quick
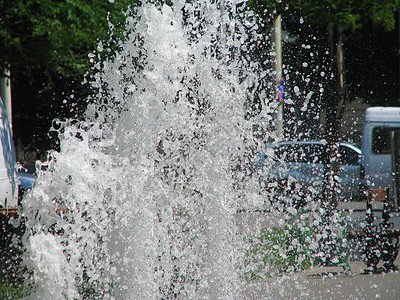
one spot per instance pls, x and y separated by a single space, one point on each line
45 44
13 291
382 13
298 244
55 36
348 14
280 250
266 9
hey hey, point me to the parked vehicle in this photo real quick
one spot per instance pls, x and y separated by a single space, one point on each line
376 160
13 183
298 170
25 183
8 172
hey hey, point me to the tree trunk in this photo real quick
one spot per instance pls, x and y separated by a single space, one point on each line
334 114
334 110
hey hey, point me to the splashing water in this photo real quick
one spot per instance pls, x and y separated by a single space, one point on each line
140 200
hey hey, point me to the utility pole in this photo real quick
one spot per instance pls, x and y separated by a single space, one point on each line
278 72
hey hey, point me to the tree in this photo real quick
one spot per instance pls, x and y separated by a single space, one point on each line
375 52
347 14
57 35
45 44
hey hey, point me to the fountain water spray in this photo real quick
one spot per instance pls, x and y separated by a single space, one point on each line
140 199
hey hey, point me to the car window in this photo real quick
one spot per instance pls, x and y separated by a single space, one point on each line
348 156
289 153
301 153
284 152
315 153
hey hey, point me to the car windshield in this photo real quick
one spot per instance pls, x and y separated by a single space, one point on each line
314 154
348 156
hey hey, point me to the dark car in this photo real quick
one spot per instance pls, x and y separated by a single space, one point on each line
295 170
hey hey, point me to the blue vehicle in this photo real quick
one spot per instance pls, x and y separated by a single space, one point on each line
25 184
294 171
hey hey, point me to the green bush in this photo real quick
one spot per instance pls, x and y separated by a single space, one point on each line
13 291
297 244
279 250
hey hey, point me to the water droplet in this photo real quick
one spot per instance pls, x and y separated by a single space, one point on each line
100 47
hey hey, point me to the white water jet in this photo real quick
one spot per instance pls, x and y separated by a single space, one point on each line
140 200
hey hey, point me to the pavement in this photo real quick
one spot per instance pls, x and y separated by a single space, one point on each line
326 282
334 283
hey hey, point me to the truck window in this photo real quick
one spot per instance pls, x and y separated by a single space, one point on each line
381 140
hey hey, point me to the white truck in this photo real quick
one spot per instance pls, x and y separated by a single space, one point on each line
379 169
